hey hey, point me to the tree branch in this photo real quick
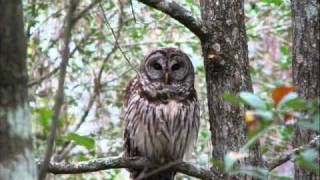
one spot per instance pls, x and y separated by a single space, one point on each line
68 146
132 11
56 69
44 77
85 11
182 15
132 162
288 156
115 38
60 92
141 163
73 21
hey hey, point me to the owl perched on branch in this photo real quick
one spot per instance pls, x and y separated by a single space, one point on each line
162 112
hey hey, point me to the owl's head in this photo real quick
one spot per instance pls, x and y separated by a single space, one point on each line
167 73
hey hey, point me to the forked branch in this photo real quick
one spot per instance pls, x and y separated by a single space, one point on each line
179 13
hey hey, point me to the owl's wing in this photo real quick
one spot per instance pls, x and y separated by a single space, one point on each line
131 89
129 151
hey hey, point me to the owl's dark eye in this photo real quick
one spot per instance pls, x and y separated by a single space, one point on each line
157 66
176 67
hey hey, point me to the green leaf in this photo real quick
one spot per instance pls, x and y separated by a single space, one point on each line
218 164
44 116
229 162
204 135
253 100
85 141
231 98
312 124
61 121
307 159
231 158
106 66
289 97
189 2
275 2
309 154
254 139
259 173
284 50
33 22
297 104
286 133
82 157
265 115
43 6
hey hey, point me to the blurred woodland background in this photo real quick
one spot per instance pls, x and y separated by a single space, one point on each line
108 41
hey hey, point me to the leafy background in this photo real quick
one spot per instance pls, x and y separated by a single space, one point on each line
92 121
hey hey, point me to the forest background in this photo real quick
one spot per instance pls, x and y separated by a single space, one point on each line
81 55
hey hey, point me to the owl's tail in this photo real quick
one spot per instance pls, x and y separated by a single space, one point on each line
144 175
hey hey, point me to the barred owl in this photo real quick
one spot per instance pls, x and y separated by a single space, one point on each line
161 111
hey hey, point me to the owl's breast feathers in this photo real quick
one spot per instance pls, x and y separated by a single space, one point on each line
161 131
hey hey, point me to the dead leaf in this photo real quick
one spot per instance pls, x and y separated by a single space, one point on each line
280 93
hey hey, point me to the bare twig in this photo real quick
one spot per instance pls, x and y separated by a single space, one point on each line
60 92
132 11
156 42
86 10
74 20
115 38
116 78
132 163
33 14
56 69
68 146
179 13
44 77
288 156
46 20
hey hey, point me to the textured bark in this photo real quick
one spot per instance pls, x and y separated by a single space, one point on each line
16 160
224 46
306 63
179 13
128 162
227 71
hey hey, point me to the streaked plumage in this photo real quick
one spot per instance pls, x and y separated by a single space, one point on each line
162 113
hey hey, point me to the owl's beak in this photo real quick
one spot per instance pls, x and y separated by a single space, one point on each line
166 78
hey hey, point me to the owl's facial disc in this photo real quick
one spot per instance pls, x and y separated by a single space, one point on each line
167 74
159 68
178 68
156 66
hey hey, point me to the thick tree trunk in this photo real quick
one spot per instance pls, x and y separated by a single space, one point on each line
227 71
306 63
16 160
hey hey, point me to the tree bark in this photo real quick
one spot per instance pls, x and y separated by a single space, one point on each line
16 160
100 164
227 71
306 64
